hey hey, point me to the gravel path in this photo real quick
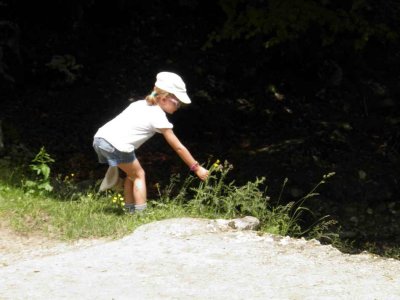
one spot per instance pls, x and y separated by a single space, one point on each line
199 259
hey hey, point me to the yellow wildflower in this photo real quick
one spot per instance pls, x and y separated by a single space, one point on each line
216 164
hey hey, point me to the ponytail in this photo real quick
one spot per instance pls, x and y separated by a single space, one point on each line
152 97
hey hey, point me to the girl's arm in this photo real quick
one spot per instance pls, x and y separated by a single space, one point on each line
184 153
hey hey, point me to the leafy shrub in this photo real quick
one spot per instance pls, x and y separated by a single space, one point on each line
216 199
41 167
67 66
279 21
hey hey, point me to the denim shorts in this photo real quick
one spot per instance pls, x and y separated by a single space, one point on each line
107 153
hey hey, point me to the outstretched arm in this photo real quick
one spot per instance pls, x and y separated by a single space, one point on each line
184 153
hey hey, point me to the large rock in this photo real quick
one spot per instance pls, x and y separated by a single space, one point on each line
202 259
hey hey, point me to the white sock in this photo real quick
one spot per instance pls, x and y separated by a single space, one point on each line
140 207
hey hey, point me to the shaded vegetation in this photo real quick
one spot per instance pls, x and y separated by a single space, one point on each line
281 89
73 212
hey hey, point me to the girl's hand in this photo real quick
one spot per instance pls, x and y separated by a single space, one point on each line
202 173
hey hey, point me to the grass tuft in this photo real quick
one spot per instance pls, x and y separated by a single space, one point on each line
69 212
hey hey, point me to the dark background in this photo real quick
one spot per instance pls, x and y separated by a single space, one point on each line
280 89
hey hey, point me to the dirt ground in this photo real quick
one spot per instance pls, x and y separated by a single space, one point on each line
191 259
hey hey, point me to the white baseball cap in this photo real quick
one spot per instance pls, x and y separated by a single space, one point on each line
173 83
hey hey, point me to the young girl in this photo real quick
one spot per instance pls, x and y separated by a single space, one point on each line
115 142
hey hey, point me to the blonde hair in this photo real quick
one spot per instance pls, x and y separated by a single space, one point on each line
153 96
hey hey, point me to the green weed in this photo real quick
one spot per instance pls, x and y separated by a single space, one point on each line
87 213
40 166
215 198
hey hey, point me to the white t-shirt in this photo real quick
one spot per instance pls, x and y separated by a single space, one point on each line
135 125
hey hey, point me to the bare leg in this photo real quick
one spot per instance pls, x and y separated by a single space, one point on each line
135 184
128 191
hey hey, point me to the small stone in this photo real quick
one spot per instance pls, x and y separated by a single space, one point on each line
246 223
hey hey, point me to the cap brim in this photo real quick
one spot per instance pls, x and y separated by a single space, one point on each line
183 97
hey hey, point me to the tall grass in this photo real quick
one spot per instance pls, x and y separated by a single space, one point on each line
68 212
92 215
215 198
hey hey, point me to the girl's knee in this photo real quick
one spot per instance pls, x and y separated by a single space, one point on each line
128 181
139 174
